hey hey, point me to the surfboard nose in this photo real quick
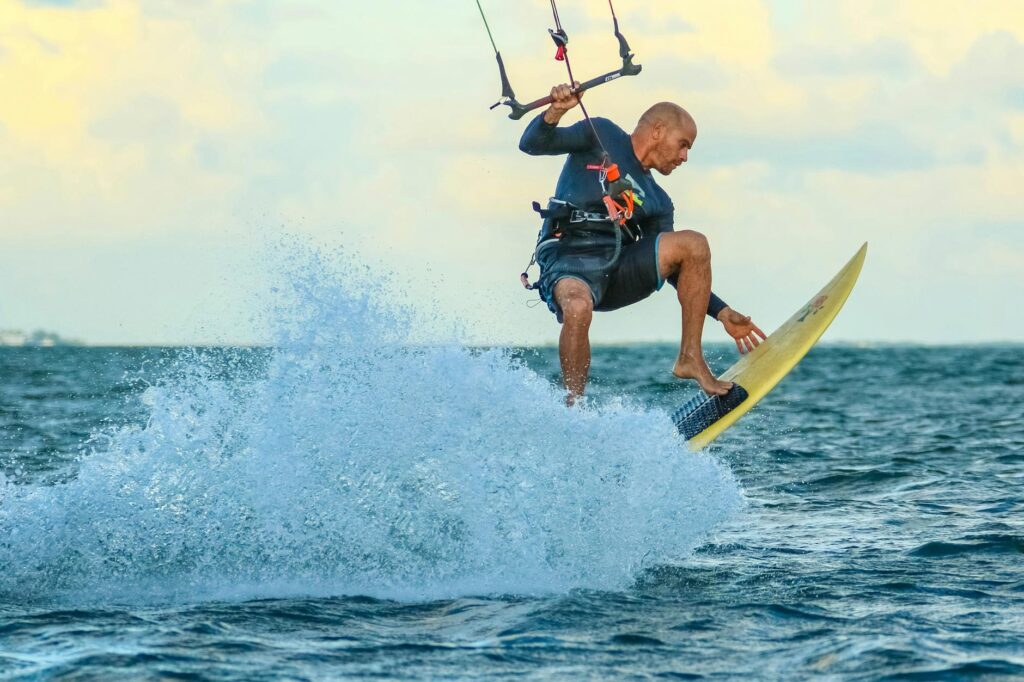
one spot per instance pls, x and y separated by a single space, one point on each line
758 372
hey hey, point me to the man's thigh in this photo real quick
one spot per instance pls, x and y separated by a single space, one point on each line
636 275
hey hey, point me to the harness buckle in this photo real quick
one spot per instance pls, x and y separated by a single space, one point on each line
580 216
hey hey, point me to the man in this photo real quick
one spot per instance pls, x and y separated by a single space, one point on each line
582 268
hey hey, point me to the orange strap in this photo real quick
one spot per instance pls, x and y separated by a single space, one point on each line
616 211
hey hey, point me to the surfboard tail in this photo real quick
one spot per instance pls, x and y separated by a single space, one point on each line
702 410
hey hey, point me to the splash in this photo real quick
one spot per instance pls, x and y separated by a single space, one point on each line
349 459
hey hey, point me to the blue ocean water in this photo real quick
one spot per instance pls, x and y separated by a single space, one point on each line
358 502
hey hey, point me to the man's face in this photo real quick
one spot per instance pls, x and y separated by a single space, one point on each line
673 146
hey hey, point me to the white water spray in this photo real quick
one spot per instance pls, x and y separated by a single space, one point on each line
354 462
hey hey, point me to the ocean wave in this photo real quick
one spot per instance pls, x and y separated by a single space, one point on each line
355 458
986 544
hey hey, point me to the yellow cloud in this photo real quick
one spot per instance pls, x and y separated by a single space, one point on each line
940 32
738 39
74 71
45 72
737 32
1015 123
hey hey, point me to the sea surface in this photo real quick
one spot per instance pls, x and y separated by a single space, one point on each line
348 504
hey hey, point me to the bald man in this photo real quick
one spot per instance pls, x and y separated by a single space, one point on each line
582 268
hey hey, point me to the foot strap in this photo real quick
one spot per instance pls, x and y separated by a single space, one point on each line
702 410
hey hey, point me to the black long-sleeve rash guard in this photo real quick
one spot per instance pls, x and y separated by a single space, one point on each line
654 211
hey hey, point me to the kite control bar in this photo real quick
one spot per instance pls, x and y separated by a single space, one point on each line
519 110
508 96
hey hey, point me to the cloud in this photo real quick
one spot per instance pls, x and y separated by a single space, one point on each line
111 109
940 32
144 118
873 148
990 55
693 75
884 56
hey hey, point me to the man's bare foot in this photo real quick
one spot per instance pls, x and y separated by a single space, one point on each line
688 367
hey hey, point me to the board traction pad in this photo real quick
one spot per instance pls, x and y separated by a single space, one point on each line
702 410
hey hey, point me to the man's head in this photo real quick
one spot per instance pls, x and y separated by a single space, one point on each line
663 137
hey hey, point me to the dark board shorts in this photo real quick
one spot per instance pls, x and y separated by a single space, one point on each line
632 279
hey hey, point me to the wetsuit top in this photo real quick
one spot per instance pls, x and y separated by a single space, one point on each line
653 211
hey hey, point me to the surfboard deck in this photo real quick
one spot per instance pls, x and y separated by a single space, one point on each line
759 371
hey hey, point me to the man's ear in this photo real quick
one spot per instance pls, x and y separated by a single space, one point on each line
658 131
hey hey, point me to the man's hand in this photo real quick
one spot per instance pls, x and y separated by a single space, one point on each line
740 328
564 99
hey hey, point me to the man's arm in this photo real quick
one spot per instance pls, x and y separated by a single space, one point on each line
716 305
543 136
741 328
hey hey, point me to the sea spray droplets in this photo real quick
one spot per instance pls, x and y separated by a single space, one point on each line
347 460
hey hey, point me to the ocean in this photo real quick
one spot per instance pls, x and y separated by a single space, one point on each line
350 503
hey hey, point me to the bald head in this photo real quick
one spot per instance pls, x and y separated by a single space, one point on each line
663 137
666 114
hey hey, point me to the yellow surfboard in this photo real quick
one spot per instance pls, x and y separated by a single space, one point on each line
759 371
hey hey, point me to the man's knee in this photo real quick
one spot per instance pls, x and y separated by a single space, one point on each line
577 310
689 245
574 298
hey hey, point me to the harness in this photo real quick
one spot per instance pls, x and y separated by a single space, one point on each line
616 193
579 226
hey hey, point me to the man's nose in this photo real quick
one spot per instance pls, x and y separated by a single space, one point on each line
682 156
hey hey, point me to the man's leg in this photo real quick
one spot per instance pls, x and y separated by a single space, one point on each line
577 304
688 255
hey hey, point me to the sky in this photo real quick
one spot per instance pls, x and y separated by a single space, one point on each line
151 149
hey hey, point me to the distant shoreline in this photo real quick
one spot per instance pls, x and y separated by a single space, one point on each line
40 338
